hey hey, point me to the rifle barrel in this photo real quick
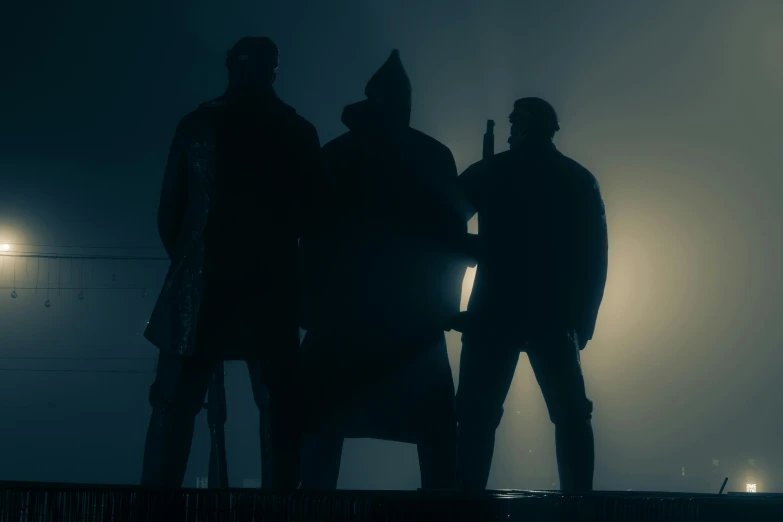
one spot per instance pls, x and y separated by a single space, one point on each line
489 140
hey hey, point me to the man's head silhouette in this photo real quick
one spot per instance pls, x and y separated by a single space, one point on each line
532 119
252 64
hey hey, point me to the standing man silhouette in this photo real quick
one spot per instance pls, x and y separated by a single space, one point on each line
542 254
242 185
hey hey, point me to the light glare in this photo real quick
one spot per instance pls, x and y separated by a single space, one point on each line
751 488
6 246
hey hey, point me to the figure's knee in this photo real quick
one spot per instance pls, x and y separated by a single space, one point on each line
439 424
177 404
573 411
477 412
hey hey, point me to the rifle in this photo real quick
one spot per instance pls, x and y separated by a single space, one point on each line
489 140
488 152
470 244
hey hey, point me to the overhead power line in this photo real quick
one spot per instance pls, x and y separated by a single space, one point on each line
51 255
95 247
9 358
123 412
17 287
54 370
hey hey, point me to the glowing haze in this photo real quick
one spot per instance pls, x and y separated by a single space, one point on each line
674 106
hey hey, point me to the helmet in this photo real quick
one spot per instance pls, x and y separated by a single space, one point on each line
259 49
539 115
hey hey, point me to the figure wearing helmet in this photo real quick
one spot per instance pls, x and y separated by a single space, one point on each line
542 264
241 186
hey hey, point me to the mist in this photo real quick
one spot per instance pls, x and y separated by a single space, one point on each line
674 106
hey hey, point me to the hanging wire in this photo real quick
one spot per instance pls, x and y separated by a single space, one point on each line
37 255
38 358
67 285
37 275
82 287
13 292
81 280
48 303
140 275
96 247
55 370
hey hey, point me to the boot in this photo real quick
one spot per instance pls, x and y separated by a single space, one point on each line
266 452
475 448
438 459
167 449
285 446
575 448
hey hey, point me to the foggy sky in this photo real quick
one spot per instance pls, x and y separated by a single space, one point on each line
674 106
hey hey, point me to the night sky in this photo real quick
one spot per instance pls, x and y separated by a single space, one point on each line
674 106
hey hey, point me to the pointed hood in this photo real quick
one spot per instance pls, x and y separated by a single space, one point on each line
388 98
390 83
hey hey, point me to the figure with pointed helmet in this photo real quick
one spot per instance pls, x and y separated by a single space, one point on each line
244 161
381 287
542 252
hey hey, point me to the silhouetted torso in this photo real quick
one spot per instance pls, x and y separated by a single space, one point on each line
250 229
253 230
386 264
541 252
542 231
242 176
376 361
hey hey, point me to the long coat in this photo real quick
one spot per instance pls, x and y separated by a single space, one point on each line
241 185
388 260
384 281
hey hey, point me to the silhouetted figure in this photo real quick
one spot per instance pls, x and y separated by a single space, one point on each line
542 263
240 188
381 287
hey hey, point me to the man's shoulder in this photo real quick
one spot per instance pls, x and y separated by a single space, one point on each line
344 139
202 114
506 159
205 113
336 147
195 125
577 172
296 120
215 103
571 164
426 141
499 162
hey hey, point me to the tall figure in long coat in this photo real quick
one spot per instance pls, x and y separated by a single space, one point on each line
383 283
240 189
